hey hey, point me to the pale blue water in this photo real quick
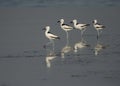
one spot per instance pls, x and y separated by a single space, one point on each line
47 3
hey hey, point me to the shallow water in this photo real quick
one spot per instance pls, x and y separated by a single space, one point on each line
25 62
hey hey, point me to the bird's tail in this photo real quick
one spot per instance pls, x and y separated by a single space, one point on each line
58 37
87 24
103 27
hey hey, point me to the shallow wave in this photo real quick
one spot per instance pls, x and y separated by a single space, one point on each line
45 3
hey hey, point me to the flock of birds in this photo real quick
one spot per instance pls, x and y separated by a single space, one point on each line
80 26
66 28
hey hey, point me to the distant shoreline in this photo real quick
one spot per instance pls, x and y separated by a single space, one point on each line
59 3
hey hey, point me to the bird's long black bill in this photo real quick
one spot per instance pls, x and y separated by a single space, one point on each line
58 21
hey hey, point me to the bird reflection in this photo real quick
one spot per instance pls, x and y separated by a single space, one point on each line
80 45
51 56
99 47
66 49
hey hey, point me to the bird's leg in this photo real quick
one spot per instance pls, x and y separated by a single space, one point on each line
82 31
53 45
67 37
83 41
47 43
98 33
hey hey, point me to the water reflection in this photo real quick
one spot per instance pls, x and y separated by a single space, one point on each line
49 57
66 49
99 47
80 45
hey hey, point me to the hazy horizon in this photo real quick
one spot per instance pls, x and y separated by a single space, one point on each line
59 3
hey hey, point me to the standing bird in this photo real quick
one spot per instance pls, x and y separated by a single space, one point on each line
98 27
50 36
65 27
79 26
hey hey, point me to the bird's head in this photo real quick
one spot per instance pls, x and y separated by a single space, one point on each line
94 21
61 21
46 28
74 21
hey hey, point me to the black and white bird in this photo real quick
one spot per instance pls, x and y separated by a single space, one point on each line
49 35
65 27
80 26
98 27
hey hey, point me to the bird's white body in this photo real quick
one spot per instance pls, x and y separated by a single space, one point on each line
65 26
49 35
98 26
79 26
